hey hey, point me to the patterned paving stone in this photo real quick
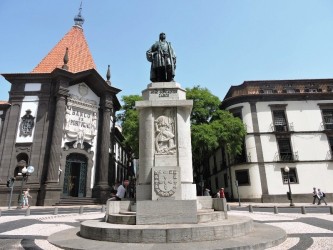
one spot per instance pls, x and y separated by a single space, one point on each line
308 231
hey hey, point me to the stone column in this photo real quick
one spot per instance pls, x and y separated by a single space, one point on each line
102 188
55 151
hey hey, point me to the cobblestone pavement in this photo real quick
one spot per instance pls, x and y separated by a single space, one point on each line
305 231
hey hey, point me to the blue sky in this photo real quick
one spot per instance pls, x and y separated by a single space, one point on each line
218 43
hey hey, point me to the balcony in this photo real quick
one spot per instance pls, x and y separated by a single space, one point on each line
327 124
286 157
281 128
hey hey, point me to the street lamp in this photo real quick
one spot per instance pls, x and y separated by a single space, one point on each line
286 169
25 172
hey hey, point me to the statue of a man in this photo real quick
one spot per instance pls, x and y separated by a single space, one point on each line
163 61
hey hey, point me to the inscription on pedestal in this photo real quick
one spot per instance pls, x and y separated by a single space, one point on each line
163 92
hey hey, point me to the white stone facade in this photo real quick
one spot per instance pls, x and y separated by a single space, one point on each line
266 144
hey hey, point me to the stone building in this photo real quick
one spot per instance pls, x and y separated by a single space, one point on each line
289 123
60 119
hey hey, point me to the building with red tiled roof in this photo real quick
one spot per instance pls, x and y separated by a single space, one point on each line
79 56
59 119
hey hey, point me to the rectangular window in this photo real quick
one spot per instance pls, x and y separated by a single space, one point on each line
224 162
243 177
280 122
292 176
285 149
328 118
330 142
225 177
215 165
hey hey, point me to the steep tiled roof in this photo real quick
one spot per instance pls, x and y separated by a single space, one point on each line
79 56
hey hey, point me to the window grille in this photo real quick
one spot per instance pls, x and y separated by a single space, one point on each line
280 123
285 149
328 118
292 176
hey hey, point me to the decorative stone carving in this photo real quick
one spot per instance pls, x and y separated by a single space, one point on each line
165 182
62 92
83 89
165 133
80 119
27 124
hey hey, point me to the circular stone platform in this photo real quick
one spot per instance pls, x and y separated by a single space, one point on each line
234 226
263 236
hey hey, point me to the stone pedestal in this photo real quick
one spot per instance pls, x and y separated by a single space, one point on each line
165 167
165 191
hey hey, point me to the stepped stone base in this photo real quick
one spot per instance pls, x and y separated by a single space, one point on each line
166 212
233 227
262 237
129 218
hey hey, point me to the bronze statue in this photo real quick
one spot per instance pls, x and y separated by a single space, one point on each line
163 61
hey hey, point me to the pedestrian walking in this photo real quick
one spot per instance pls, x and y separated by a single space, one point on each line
315 195
321 196
26 196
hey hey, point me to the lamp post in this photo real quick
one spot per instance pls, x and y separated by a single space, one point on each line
25 172
286 169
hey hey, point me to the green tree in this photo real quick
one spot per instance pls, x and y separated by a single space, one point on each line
212 127
129 119
205 104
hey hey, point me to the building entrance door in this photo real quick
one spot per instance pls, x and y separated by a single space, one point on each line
75 178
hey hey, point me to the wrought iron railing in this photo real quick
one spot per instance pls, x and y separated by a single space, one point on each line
327 124
286 156
282 127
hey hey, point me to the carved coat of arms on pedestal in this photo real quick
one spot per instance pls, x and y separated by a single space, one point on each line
165 182
27 124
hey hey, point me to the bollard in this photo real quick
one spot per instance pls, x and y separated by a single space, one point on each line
303 210
276 211
103 209
81 210
55 212
250 209
27 213
226 215
228 207
331 210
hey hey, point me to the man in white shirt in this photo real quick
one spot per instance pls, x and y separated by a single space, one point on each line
121 191
321 197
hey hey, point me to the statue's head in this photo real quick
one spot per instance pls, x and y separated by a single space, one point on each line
162 36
